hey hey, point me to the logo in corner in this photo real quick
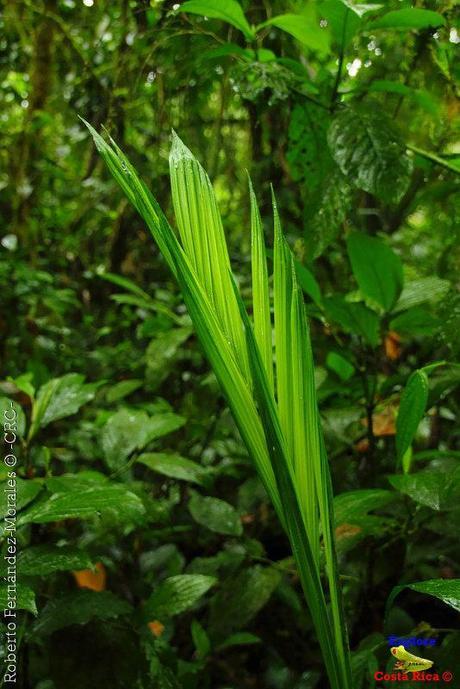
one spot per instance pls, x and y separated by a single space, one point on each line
408 662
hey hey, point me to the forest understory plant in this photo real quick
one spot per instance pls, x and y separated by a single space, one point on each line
275 408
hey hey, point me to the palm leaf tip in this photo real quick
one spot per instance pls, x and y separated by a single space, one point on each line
202 236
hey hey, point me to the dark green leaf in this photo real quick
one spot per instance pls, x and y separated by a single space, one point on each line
216 515
132 429
174 466
200 639
41 560
177 594
162 352
60 397
308 282
85 504
8 406
23 598
415 321
354 504
354 318
122 389
78 607
26 491
241 598
240 639
417 292
377 269
411 411
326 193
341 366
370 152
429 488
447 590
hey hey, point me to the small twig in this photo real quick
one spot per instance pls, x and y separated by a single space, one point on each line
433 158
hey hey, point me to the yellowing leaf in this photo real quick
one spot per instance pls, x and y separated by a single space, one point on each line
156 628
89 579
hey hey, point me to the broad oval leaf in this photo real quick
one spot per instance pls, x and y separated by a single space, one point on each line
303 28
177 594
343 22
409 18
24 598
415 321
132 429
10 408
354 317
85 504
447 590
228 10
428 488
377 269
216 515
123 433
41 560
122 389
240 599
341 366
200 639
355 504
308 282
411 410
423 290
174 466
26 491
60 397
369 150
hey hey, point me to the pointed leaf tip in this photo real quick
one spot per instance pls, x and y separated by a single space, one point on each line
179 150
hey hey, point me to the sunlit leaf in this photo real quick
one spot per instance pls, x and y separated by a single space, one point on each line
228 10
409 18
303 28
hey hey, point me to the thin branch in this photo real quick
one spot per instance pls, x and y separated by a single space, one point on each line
434 158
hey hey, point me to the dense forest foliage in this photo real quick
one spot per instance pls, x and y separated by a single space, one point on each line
148 552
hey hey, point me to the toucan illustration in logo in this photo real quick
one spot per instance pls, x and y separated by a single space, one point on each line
407 662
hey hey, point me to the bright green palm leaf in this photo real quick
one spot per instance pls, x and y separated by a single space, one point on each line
260 291
282 437
202 235
209 330
282 288
304 414
294 521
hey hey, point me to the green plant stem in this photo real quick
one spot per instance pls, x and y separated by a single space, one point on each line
335 90
434 158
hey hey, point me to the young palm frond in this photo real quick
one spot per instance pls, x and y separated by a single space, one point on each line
275 411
